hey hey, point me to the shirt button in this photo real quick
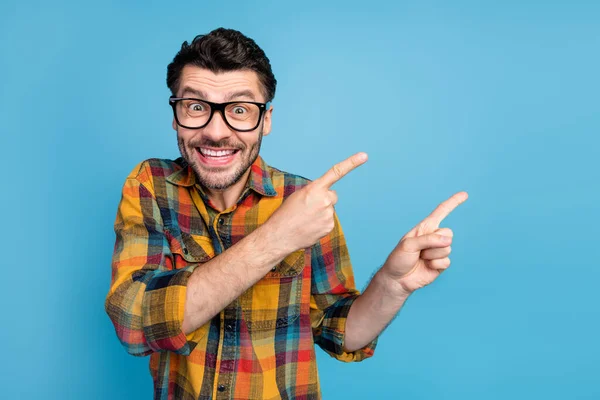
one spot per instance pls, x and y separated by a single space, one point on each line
274 269
221 388
229 327
185 251
221 221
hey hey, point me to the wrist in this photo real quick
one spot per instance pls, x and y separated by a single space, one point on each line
391 283
270 240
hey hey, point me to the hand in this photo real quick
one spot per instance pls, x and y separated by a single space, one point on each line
422 254
307 215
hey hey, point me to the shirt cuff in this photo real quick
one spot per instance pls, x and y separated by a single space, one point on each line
333 332
163 308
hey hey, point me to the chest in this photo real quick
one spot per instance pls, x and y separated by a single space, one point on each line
197 233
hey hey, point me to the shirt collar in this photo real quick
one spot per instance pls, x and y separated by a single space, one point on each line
184 176
259 179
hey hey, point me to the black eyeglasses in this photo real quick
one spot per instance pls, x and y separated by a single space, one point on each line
242 116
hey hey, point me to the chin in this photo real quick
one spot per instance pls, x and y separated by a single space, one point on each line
217 180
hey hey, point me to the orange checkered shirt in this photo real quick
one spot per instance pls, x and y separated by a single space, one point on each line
261 346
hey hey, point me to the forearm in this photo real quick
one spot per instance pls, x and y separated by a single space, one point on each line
373 311
217 283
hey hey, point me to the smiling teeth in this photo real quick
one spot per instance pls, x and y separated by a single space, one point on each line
213 153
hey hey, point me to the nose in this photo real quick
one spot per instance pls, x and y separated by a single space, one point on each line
217 129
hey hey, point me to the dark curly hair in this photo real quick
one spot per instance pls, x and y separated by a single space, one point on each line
223 50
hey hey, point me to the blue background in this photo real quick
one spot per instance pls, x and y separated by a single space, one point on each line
498 98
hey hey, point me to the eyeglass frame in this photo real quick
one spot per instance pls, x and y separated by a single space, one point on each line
173 100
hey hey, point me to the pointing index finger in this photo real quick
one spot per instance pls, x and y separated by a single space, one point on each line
341 169
446 207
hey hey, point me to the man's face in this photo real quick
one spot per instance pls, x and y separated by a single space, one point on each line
219 155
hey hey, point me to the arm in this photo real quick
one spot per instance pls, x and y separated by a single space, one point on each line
142 270
148 301
373 310
333 296
226 277
418 259
305 217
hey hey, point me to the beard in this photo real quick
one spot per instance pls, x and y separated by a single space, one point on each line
220 178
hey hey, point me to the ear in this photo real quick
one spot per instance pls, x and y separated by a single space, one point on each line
267 124
174 124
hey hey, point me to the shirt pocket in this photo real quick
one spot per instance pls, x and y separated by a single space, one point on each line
274 302
189 249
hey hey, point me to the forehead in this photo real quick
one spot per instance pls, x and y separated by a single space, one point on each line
219 86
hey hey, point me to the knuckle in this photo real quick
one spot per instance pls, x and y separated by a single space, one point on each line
441 263
445 231
407 246
402 244
423 228
312 193
441 237
337 170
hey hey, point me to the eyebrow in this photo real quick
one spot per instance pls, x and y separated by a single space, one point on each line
193 91
230 96
240 93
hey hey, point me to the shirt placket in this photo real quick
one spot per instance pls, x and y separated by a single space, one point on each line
219 229
225 368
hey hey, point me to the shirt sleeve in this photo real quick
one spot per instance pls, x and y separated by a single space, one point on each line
333 292
147 294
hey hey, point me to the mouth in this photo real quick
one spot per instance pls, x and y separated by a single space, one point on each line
216 157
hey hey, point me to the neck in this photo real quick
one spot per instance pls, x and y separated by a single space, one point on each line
227 198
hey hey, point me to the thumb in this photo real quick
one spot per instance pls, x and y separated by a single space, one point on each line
429 241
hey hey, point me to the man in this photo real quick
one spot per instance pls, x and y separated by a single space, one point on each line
227 271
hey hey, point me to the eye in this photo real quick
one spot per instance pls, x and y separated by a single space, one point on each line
196 107
239 110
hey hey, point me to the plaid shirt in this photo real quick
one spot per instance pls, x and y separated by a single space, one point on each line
261 346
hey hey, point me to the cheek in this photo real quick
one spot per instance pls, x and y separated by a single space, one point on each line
184 143
184 136
250 145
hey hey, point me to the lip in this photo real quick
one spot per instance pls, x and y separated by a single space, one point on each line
216 161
